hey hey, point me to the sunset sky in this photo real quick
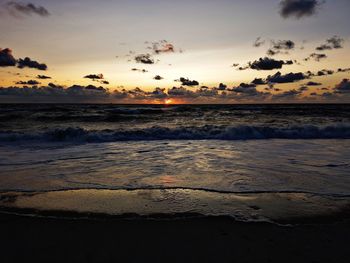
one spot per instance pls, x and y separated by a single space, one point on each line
182 44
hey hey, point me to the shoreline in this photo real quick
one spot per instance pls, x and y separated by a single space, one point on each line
143 204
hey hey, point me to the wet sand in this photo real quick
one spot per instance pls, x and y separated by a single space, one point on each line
219 239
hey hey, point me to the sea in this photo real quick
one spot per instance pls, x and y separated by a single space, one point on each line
207 160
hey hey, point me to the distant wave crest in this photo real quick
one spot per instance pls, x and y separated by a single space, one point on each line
208 132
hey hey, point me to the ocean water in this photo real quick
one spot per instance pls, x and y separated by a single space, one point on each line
182 150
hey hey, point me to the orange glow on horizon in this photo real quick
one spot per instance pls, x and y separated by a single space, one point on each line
168 101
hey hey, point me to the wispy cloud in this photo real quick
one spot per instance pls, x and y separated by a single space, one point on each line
19 8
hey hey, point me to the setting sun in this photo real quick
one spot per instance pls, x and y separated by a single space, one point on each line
168 101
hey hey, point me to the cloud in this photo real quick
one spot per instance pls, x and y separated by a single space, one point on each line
299 8
284 45
258 42
343 70
334 42
163 47
55 93
16 8
248 89
139 70
206 92
6 58
222 86
29 82
27 62
343 86
287 78
259 81
324 72
287 95
158 93
316 57
244 92
243 68
312 83
181 92
144 59
43 77
303 88
94 76
187 82
268 64
281 46
98 78
157 77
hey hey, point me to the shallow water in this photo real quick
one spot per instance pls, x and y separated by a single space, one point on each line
316 166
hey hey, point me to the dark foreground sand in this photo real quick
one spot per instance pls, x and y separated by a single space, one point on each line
29 239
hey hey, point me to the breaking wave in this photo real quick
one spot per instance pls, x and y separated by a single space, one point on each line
207 132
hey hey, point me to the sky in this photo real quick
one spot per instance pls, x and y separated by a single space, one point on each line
157 51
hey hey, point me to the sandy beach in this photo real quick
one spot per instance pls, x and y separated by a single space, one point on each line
33 239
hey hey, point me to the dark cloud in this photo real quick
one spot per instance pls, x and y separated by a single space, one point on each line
43 77
287 95
187 82
157 77
222 86
245 92
259 81
281 46
207 93
272 52
243 68
6 58
159 93
26 9
94 76
303 88
98 78
181 92
55 93
163 47
343 87
27 62
343 70
258 42
334 42
324 72
234 65
287 78
298 8
91 87
268 64
139 70
29 82
316 57
247 89
144 59
312 83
